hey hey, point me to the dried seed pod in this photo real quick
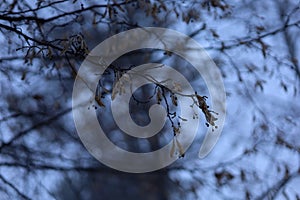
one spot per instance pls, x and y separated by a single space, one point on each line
183 119
201 102
114 93
174 100
180 148
158 95
172 151
98 100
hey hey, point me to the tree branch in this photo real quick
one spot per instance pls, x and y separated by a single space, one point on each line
14 188
40 124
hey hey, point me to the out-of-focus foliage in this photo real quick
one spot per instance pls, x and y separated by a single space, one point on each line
254 43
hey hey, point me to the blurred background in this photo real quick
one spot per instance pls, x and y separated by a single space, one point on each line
256 46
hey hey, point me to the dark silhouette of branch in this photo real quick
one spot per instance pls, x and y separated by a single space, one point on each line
246 40
45 20
29 38
34 127
273 191
53 37
11 185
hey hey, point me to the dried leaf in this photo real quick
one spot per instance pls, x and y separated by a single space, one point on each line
259 83
183 119
172 151
174 100
158 95
23 75
260 28
180 148
214 33
98 100
177 87
264 47
38 97
284 86
114 93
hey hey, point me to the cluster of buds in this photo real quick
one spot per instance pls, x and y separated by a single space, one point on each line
201 103
76 45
